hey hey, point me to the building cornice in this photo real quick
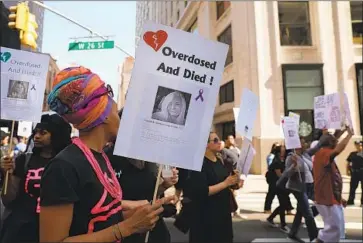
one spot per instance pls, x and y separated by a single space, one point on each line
188 16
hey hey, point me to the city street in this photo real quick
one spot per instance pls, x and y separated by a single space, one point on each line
253 229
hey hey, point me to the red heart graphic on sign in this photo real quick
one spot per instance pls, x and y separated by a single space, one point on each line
155 39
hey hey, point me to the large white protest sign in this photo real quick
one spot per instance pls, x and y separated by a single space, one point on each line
246 157
171 98
25 128
327 112
247 113
291 133
23 79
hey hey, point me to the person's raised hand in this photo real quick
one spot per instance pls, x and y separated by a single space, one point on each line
171 181
232 180
350 131
294 160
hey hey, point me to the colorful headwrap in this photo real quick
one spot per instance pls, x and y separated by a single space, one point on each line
80 97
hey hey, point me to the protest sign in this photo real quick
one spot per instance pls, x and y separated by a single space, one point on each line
23 79
291 133
246 157
25 128
171 98
327 112
247 114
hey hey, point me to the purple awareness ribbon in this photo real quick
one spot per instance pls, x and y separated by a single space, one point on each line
200 95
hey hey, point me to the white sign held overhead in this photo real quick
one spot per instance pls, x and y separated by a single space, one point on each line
25 128
291 133
171 98
327 112
23 79
247 114
246 157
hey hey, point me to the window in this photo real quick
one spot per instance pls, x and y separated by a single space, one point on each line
294 23
222 6
356 9
226 37
177 15
185 4
194 27
228 128
226 93
301 84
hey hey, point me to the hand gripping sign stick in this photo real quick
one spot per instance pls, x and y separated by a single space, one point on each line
9 151
154 197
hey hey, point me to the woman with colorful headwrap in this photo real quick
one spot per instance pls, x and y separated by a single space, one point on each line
79 187
21 217
172 109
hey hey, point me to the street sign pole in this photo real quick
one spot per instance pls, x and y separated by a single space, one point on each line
80 25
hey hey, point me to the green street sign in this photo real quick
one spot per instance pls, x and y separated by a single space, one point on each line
87 45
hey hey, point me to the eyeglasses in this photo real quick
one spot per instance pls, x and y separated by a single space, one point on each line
215 140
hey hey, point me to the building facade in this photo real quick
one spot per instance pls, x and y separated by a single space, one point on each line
53 69
39 16
285 52
125 70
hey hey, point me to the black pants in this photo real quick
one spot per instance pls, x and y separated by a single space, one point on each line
357 176
271 193
303 210
281 209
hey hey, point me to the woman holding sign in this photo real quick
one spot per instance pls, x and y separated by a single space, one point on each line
210 196
21 223
138 180
79 187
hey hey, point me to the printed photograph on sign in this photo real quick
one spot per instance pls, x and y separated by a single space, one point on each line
18 89
291 133
171 106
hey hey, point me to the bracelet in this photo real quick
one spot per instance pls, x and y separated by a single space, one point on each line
119 230
114 232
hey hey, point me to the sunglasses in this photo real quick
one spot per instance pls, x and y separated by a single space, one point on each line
109 92
215 140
